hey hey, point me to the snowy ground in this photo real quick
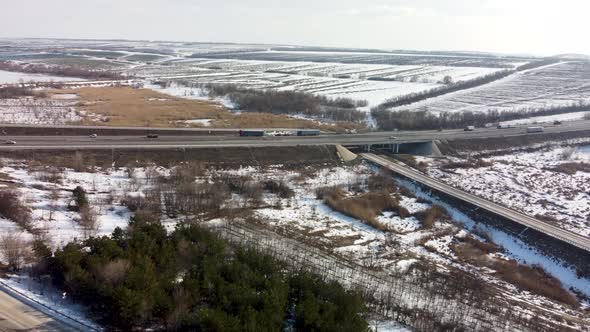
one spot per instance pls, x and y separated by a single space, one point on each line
560 84
406 242
530 183
353 74
38 111
58 109
49 200
548 119
7 77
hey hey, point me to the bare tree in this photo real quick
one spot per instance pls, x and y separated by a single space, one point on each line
114 271
54 202
88 221
14 250
78 162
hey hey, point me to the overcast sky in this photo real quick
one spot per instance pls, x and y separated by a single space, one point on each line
512 26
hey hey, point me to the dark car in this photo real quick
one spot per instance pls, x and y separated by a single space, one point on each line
152 136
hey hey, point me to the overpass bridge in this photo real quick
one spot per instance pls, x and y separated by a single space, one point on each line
550 230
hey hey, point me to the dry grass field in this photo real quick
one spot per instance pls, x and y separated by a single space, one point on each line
126 106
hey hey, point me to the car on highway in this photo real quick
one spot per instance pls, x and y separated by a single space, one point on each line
556 122
9 142
469 128
152 135
93 136
505 126
392 137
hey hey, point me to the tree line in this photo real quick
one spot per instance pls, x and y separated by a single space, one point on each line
191 279
13 92
460 85
287 102
65 71
425 120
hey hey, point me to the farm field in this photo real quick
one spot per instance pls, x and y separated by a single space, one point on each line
560 84
368 75
374 83
359 75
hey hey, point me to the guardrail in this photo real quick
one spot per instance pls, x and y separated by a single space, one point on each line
61 317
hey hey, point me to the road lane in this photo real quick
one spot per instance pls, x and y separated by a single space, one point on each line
182 141
17 316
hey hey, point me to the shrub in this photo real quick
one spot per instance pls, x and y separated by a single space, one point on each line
280 188
383 180
430 216
572 168
364 207
14 250
12 208
80 199
88 221
471 163
13 92
530 278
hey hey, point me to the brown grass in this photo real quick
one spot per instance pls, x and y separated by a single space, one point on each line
530 278
126 106
366 207
432 215
471 163
572 168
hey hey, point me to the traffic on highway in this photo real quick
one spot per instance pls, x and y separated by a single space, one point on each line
162 138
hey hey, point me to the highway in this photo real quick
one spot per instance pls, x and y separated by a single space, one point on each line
18 316
229 138
546 228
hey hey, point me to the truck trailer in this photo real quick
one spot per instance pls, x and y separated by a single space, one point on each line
308 132
251 133
535 129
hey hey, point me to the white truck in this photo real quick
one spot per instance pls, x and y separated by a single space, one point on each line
535 129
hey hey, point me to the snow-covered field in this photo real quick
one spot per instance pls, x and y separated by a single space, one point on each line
530 182
334 73
560 84
548 119
49 200
7 77
329 79
38 111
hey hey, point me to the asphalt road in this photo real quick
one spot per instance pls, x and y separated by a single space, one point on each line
541 226
17 316
232 140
